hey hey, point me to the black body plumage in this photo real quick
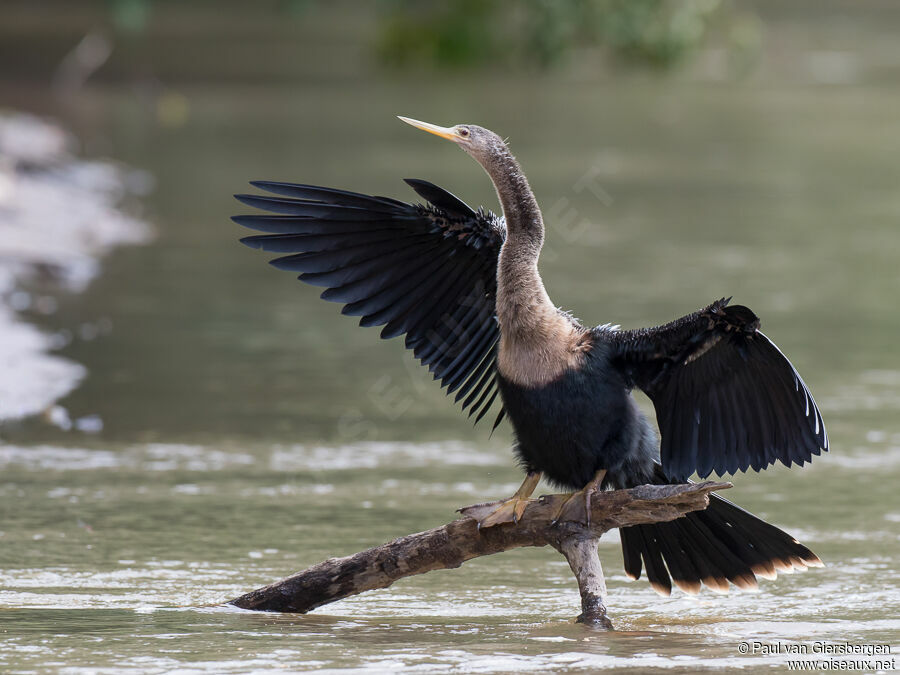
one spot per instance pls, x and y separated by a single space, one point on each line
580 423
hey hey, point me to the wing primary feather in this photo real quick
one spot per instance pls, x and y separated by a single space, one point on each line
477 379
328 195
412 319
380 280
314 225
361 270
300 207
452 378
482 409
374 304
499 419
416 291
331 260
302 243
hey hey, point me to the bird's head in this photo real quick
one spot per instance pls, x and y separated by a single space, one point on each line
480 143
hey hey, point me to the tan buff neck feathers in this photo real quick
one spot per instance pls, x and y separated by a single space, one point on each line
538 343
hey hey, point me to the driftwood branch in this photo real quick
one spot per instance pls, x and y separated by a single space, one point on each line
452 544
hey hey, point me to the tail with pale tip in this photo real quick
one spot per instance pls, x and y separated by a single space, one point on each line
720 545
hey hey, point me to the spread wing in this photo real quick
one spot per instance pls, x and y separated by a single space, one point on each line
726 398
426 271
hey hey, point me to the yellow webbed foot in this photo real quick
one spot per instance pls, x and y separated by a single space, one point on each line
503 511
575 507
496 513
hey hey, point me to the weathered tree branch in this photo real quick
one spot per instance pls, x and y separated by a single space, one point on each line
454 543
581 554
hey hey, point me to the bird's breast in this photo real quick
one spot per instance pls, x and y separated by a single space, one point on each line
578 423
543 354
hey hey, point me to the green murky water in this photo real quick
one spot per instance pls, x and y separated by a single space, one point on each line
249 430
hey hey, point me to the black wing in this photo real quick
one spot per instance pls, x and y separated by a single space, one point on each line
427 271
726 398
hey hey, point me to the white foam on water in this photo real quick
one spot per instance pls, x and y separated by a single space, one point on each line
61 214
164 457
369 455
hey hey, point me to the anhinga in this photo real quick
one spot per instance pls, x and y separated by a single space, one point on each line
464 287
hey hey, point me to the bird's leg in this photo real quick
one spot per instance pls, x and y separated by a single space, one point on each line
576 507
505 510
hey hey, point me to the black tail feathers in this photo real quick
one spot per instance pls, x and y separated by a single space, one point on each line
720 544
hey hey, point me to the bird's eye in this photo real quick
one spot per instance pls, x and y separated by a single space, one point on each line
462 131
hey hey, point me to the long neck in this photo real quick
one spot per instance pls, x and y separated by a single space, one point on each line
524 223
522 302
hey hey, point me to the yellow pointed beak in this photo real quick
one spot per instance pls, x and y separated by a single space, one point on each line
444 132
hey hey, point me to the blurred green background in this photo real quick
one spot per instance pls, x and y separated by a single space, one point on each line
459 34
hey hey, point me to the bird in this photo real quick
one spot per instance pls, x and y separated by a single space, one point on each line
463 288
